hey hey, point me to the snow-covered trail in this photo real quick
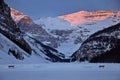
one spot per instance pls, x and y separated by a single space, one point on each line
60 71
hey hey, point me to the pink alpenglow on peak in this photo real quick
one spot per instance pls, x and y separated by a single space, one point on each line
83 17
118 14
18 16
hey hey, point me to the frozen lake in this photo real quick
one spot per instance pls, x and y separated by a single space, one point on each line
60 71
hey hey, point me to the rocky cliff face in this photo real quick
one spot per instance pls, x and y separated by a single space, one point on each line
10 29
26 25
16 42
102 46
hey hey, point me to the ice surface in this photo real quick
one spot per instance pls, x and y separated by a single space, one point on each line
60 71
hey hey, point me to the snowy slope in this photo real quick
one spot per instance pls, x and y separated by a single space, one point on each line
52 23
40 52
17 45
60 33
70 37
102 46
8 58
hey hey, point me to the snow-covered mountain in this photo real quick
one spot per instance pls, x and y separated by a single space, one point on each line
102 46
16 45
70 34
18 16
26 24
23 38
118 14
83 17
9 29
62 34
66 33
46 31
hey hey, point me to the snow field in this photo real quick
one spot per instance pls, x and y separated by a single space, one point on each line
60 71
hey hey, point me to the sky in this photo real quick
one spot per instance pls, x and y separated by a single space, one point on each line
44 8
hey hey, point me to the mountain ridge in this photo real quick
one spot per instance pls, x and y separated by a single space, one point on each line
59 32
82 17
17 45
65 34
102 46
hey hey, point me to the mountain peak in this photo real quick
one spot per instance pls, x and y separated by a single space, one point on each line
118 14
82 17
18 16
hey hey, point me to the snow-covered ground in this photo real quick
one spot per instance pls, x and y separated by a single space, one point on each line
60 71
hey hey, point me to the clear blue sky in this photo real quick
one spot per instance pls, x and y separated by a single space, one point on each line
39 8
